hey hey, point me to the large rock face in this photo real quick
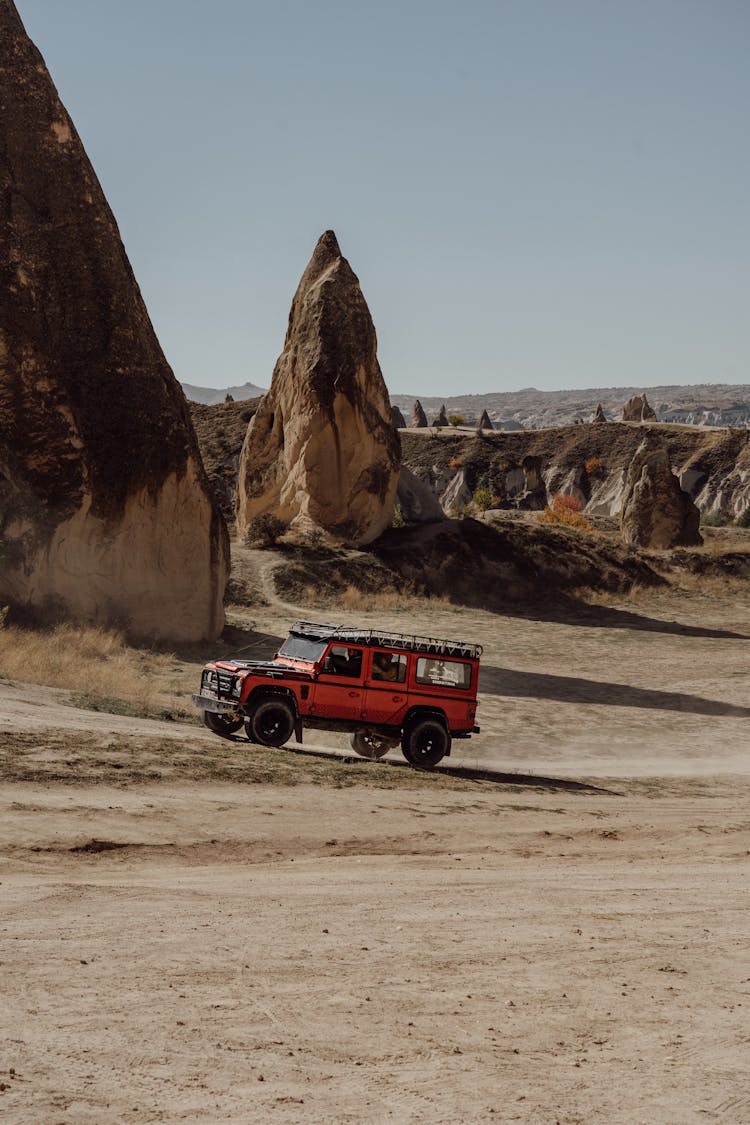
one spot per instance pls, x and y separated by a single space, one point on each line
322 451
105 510
655 511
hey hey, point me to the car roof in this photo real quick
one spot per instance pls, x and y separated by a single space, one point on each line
351 634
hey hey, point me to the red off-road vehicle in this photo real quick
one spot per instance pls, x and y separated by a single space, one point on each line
385 689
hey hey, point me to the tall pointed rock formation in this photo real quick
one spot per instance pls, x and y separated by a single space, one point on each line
418 416
322 450
105 509
485 422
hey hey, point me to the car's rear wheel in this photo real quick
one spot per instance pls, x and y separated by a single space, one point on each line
368 744
270 723
224 724
425 743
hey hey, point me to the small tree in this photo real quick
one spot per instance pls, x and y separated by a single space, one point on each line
456 419
743 519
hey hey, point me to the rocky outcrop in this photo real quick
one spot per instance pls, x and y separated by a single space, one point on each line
418 417
599 415
655 511
321 451
485 422
637 409
105 510
441 419
417 501
397 418
457 496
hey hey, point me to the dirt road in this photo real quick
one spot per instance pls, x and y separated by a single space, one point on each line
176 947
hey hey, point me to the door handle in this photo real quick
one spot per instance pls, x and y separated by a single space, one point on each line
397 698
354 695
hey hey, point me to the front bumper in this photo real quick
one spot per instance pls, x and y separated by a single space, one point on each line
211 703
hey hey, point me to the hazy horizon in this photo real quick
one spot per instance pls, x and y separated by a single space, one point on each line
532 194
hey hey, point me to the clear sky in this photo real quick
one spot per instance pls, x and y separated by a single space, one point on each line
548 193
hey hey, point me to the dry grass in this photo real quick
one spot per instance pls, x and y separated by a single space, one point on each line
94 661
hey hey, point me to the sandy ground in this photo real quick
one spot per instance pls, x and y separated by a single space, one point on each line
566 945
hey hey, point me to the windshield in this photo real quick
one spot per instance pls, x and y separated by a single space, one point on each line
302 648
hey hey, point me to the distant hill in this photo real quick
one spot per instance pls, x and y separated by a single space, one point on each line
209 396
707 404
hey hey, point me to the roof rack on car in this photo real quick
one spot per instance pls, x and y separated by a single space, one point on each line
430 645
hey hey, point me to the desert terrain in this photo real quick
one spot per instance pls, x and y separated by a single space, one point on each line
194 929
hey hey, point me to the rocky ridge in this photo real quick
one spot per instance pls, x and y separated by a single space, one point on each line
589 462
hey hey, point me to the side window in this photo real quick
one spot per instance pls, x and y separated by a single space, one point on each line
344 661
388 666
443 673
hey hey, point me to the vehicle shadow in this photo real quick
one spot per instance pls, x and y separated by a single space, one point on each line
576 689
465 772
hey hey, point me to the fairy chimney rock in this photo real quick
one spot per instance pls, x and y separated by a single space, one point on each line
485 422
106 513
322 451
600 416
638 409
397 418
418 417
655 511
441 419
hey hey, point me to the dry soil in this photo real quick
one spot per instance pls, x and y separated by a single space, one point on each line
180 941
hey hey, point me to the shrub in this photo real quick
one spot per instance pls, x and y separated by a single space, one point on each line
743 519
265 529
719 518
483 498
398 517
593 466
566 511
456 419
314 538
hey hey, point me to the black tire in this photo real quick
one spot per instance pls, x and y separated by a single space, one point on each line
425 743
369 744
222 724
270 723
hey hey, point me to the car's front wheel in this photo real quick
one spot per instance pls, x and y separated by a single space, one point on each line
425 743
368 744
222 724
271 722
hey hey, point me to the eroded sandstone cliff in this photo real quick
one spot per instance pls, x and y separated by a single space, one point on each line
105 509
322 451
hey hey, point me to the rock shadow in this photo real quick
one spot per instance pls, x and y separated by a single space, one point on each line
576 689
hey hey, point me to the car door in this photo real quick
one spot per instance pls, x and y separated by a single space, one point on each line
339 691
385 688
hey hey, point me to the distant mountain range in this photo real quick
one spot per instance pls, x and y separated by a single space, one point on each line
707 404
209 396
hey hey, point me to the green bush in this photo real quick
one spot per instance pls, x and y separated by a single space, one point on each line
719 518
265 529
483 498
743 519
456 419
